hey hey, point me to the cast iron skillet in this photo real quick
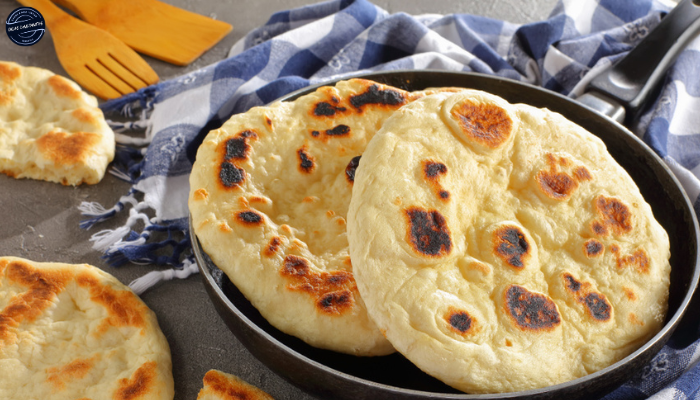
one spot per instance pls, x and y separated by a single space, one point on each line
330 375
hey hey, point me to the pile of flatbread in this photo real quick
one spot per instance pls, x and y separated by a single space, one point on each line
74 332
50 129
498 247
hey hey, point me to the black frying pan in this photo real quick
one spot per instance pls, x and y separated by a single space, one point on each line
331 375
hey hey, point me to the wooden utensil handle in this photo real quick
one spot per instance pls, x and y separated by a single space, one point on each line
73 5
48 10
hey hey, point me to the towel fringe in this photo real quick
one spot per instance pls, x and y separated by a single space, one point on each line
142 284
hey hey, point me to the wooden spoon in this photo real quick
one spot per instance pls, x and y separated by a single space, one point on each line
96 60
153 28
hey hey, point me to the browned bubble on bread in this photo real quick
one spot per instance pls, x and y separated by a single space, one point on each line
486 124
614 215
511 245
596 304
234 151
428 233
531 311
460 321
593 248
307 163
432 172
558 184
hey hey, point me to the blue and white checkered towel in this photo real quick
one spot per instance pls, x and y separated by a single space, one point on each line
303 46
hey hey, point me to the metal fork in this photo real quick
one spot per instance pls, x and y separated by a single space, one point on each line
96 60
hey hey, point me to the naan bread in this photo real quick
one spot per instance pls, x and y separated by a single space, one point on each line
222 386
500 247
74 332
50 129
269 193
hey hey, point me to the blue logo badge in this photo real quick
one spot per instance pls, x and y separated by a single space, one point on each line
25 26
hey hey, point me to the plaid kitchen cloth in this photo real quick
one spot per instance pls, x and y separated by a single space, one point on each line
312 44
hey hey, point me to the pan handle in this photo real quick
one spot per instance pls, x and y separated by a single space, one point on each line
632 80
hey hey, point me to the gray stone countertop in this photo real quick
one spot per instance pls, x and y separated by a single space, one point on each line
40 219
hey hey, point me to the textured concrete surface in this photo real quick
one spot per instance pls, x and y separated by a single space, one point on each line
40 219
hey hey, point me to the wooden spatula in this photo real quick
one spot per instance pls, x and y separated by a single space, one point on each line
96 60
152 27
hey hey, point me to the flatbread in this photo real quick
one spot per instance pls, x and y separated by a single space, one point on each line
50 129
219 385
269 193
500 247
74 332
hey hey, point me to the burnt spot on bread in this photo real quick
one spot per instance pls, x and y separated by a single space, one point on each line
62 87
433 169
340 130
428 233
432 172
42 287
459 321
486 124
237 148
231 176
511 245
629 294
571 283
531 311
614 214
325 109
77 369
141 383
333 292
67 149
351 168
376 96
268 121
273 246
124 308
336 132
250 218
234 151
306 162
335 302
593 248
639 260
596 304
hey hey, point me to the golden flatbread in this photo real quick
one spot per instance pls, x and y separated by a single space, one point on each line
74 332
500 247
269 193
50 129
